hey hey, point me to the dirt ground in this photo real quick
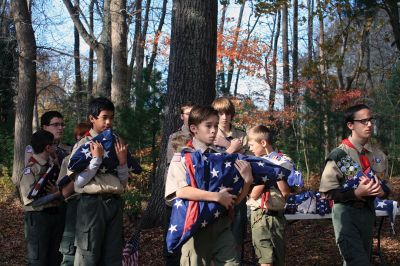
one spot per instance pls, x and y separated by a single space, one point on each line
308 242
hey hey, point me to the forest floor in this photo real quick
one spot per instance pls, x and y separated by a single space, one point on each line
309 242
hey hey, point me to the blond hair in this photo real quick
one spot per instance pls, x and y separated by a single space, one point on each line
259 133
224 105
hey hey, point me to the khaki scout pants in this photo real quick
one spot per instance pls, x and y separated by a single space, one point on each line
98 235
43 231
268 237
215 242
353 233
67 245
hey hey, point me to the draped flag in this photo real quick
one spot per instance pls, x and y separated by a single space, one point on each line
214 172
308 202
81 158
130 254
38 190
390 206
295 178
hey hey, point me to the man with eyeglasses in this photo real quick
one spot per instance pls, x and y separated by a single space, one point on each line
353 213
53 122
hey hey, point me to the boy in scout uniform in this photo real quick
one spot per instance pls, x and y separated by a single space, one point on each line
53 122
98 236
267 225
353 213
43 224
172 259
67 245
232 140
215 242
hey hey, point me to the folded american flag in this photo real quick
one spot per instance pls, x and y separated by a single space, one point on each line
390 206
81 158
353 182
130 253
213 172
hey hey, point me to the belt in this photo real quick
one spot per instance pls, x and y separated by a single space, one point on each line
103 196
51 210
275 213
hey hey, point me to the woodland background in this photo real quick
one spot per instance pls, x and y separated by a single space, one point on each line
293 65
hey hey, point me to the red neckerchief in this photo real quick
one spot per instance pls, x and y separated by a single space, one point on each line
190 144
33 160
365 164
87 134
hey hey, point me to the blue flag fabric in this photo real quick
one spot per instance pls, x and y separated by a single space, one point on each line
213 172
81 158
353 182
322 205
390 206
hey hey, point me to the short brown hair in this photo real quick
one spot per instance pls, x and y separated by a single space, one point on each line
187 105
199 114
259 133
224 105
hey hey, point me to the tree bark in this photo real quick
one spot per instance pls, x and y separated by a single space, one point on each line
191 77
310 28
272 93
221 69
91 52
231 66
119 38
26 82
285 55
295 52
77 61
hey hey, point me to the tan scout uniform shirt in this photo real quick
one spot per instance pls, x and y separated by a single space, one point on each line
236 134
176 177
100 183
184 130
31 174
332 176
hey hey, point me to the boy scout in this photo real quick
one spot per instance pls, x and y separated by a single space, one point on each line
98 236
53 122
353 213
172 259
267 227
67 245
43 224
184 130
232 140
215 242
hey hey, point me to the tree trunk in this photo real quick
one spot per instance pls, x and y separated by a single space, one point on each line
191 77
221 69
231 66
119 35
158 32
26 82
310 28
285 55
272 93
91 52
77 61
392 9
295 52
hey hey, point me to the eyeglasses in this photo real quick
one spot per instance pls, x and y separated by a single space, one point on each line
57 125
366 121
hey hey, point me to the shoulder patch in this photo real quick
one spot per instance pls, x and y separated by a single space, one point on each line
336 154
177 157
28 149
27 171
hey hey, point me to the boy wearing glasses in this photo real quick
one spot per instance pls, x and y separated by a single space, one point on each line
53 122
43 224
353 213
